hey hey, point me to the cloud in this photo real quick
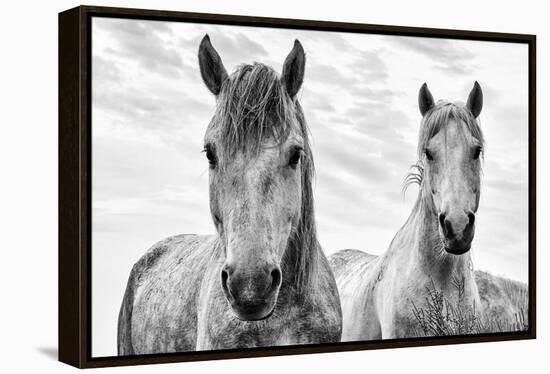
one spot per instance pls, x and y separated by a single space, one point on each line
455 68
156 110
444 50
230 46
164 109
344 198
335 40
505 184
351 82
105 70
144 42
329 74
445 55
379 120
370 67
319 102
512 116
357 161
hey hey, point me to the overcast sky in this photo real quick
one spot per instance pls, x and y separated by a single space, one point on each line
150 111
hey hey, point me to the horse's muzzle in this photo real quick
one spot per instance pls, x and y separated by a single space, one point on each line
457 231
251 294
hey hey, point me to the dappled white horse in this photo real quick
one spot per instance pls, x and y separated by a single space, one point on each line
379 294
263 279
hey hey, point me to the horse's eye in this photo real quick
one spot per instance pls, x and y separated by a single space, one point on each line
428 154
210 155
477 152
295 157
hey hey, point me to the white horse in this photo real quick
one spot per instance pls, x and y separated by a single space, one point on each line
263 279
379 295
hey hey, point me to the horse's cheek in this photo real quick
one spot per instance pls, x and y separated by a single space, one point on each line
213 196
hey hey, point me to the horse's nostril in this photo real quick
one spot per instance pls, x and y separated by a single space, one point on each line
446 226
449 229
275 278
471 219
225 281
225 276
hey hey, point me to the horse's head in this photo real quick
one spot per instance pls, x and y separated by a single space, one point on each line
260 162
450 146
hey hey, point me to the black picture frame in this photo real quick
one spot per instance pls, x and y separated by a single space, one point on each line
75 183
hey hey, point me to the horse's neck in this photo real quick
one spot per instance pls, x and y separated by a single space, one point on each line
419 238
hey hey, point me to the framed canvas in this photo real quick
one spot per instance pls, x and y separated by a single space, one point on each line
237 186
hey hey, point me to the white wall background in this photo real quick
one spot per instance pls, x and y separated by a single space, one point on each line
28 192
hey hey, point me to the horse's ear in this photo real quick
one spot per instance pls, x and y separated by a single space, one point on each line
293 69
212 70
475 100
425 99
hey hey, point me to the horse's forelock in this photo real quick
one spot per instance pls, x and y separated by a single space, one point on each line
252 107
440 116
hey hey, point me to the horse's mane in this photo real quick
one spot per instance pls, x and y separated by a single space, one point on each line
253 106
304 239
437 117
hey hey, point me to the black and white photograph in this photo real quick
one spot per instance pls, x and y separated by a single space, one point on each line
260 187
275 187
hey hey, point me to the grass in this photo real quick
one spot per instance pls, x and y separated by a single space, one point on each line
440 317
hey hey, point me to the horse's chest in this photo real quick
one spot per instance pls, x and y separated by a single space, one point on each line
304 328
284 327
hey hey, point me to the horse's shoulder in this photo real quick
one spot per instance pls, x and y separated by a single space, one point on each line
138 273
180 246
349 257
